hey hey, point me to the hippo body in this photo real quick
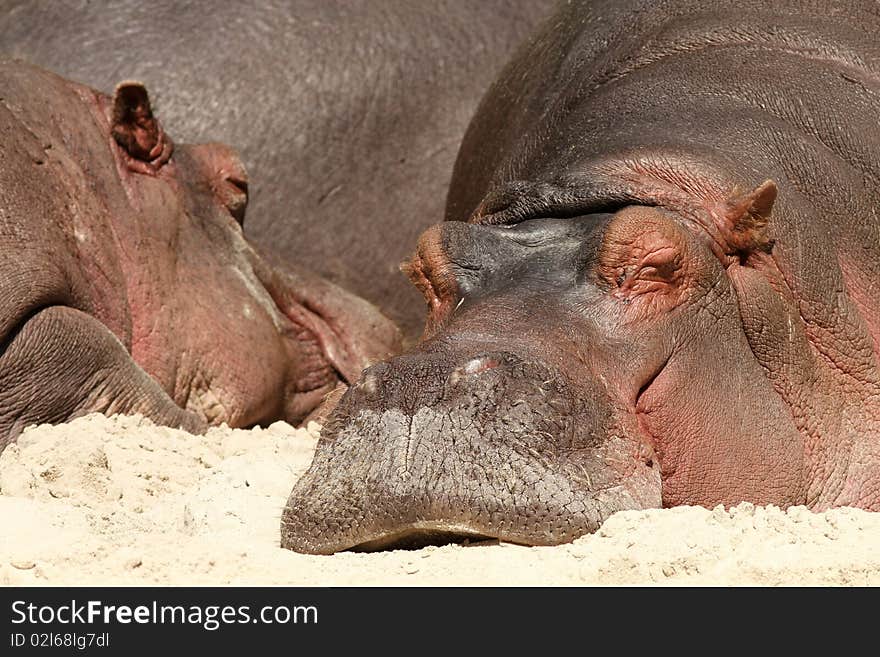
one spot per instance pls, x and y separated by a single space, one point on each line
127 284
348 114
661 286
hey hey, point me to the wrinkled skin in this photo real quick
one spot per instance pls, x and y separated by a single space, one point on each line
126 284
666 292
348 114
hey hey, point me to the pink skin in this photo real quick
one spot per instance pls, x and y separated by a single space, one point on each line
809 347
735 443
163 306
263 342
767 432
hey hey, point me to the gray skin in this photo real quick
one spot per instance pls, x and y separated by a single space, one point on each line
126 284
348 114
667 291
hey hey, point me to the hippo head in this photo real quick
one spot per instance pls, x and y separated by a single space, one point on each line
570 368
271 341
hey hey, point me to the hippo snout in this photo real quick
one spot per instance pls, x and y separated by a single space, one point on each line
437 447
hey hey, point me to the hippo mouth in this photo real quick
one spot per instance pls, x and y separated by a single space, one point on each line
510 453
421 535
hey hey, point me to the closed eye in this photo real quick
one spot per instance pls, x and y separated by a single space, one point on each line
239 183
235 196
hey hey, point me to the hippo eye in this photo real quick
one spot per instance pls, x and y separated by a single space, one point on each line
661 269
664 271
239 184
235 196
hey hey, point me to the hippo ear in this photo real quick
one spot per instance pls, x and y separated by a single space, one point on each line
135 128
744 218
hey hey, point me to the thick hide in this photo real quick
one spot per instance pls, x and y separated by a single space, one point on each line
672 208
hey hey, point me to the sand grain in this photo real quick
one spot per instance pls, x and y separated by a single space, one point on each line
118 501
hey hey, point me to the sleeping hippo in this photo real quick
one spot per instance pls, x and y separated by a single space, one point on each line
347 114
127 285
666 291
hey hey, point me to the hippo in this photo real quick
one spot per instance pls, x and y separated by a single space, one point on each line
348 114
659 286
128 286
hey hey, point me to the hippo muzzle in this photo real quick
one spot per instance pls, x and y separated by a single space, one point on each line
430 448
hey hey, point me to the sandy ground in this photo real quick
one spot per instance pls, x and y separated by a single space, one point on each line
120 501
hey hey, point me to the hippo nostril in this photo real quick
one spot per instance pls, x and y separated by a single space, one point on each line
473 367
415 539
482 364
376 370
369 384
372 379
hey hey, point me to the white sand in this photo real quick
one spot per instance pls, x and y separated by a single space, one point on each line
119 501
